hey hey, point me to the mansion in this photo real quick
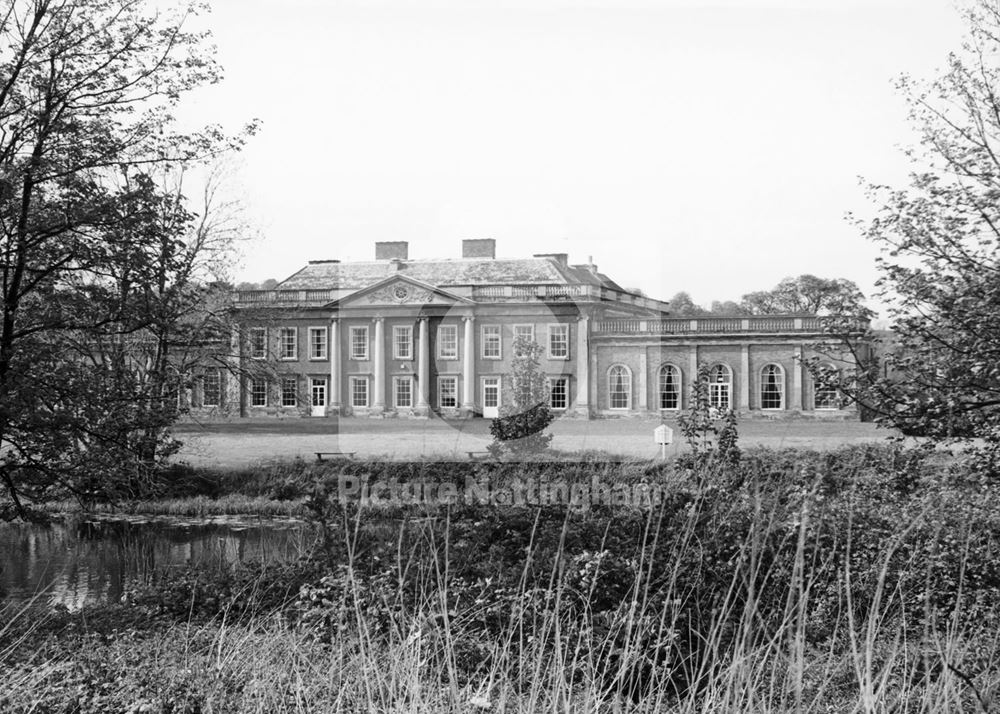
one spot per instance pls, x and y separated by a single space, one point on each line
412 338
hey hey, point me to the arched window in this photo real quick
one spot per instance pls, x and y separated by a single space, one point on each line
669 387
620 387
825 394
772 387
720 387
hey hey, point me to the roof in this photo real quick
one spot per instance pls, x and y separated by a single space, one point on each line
474 271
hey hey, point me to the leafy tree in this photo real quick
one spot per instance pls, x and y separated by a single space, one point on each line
808 294
698 425
94 250
709 443
940 265
728 308
681 305
524 413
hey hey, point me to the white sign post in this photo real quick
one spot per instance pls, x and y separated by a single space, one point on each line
663 435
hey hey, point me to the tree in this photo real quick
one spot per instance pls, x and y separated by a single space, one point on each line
810 295
90 243
681 305
940 265
524 413
707 442
727 308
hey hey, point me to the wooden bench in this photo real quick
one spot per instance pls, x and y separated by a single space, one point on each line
478 455
335 454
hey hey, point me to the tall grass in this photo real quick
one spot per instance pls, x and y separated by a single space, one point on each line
804 605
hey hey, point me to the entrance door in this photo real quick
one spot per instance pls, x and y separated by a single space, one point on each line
491 397
318 393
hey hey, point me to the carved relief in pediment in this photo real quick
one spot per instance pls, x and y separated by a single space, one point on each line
400 293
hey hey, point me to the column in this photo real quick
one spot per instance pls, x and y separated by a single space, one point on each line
796 379
583 367
469 367
378 355
745 378
230 376
422 371
692 375
333 347
240 379
643 387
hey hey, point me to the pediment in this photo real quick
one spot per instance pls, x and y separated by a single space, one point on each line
400 290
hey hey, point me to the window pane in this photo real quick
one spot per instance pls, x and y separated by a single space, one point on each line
670 387
317 343
211 393
559 341
404 392
402 342
771 387
491 342
619 387
359 392
318 392
558 397
288 343
359 343
258 392
289 389
448 342
258 343
718 395
447 392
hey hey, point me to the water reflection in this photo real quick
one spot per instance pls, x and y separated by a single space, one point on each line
83 562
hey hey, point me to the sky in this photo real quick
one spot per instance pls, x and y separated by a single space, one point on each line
713 147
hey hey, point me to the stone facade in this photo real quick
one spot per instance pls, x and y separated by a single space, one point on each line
388 338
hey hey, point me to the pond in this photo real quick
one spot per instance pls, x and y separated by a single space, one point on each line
81 562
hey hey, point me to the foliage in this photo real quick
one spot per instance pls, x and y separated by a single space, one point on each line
681 305
728 446
939 371
699 425
102 260
795 581
727 308
524 413
808 295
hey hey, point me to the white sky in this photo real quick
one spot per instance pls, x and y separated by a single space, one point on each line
712 147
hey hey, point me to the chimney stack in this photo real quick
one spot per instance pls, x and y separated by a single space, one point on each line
561 258
389 250
479 248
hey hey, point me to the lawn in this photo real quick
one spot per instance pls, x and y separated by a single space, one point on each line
243 442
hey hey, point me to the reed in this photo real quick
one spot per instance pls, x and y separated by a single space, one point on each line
865 587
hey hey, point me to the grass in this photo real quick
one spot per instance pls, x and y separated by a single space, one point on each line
862 581
238 444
